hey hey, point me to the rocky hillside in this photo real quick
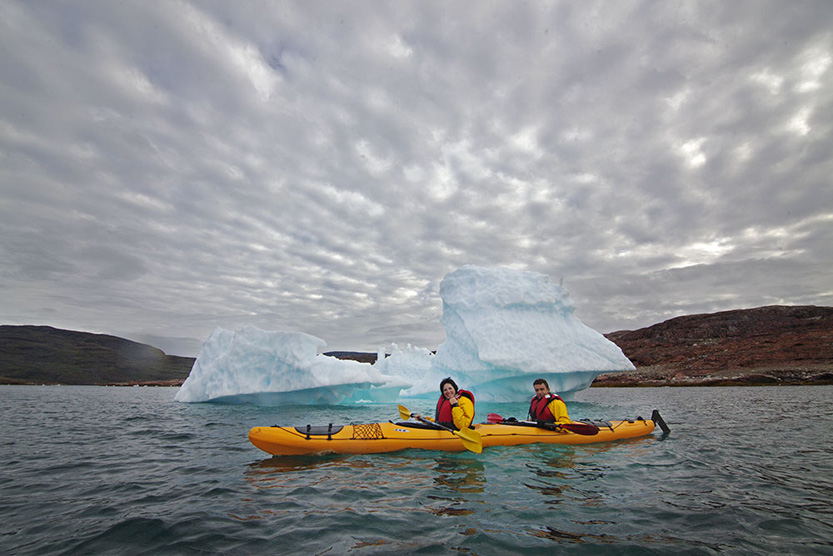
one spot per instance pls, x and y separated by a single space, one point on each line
42 354
766 345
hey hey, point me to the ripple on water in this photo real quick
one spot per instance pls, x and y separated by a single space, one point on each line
130 471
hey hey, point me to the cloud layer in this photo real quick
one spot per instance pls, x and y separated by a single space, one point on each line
170 167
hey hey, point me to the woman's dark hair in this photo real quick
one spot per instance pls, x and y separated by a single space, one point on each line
448 381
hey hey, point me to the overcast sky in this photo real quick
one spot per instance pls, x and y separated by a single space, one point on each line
169 167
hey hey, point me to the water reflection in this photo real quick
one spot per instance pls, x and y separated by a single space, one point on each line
553 472
282 469
330 487
585 479
457 478
460 475
293 463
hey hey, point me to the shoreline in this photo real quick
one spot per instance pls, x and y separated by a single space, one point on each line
650 378
608 380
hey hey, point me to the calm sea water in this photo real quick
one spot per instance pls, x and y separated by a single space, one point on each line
94 470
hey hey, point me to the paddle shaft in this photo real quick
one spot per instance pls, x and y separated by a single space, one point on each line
405 414
471 439
585 429
433 423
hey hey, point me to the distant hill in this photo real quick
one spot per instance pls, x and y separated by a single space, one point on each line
766 345
360 356
42 354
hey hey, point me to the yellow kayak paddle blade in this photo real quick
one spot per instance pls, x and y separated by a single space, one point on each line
404 413
471 438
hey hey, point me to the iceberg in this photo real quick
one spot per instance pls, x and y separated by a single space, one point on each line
253 366
504 328
409 365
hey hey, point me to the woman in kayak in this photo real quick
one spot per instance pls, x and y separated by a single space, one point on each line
455 408
546 407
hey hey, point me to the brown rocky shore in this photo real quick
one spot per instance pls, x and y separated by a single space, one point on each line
776 345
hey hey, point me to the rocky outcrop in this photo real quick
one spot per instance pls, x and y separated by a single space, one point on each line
766 345
46 355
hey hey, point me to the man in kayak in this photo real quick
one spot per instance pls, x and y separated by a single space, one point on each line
546 407
455 408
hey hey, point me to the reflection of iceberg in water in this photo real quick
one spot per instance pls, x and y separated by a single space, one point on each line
504 328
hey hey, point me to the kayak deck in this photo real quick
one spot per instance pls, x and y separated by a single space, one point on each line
373 438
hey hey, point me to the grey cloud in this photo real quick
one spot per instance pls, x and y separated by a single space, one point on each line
169 168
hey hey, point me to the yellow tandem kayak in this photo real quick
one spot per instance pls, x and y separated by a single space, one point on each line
373 438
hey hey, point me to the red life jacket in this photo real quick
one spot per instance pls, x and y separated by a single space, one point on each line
539 408
443 414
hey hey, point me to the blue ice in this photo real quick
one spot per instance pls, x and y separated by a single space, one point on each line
504 328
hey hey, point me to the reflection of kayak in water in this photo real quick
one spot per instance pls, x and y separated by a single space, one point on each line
374 438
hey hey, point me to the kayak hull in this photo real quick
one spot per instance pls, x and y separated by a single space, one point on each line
375 438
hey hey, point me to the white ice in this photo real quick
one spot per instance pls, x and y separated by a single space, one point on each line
504 328
251 365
